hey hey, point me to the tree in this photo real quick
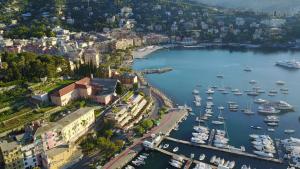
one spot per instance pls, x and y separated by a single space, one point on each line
119 89
147 124
139 130
108 133
119 144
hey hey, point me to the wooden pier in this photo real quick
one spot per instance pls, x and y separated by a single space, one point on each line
189 160
224 150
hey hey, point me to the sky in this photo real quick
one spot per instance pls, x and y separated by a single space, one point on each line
286 6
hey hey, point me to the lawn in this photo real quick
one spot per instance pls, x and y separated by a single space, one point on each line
52 85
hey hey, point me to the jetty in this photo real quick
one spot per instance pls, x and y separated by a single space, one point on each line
211 137
158 71
224 150
189 160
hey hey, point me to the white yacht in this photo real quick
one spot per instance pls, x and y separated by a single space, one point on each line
260 101
272 124
264 154
209 98
269 119
213 159
166 146
249 112
210 91
197 140
245 167
175 163
238 93
175 149
252 82
290 64
253 93
217 122
283 105
231 164
201 157
195 92
220 76
248 69
267 109
279 82
289 131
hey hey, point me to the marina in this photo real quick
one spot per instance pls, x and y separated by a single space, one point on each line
245 94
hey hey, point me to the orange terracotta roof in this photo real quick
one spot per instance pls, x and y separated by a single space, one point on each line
83 83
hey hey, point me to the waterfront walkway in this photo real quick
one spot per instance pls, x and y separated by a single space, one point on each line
224 150
167 123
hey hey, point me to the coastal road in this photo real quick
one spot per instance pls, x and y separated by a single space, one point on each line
166 123
96 156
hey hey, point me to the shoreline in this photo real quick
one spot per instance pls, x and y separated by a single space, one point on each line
142 53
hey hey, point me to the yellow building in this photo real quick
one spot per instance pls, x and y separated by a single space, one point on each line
76 124
11 155
54 140
123 44
57 157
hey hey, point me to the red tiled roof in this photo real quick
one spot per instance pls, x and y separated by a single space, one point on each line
83 83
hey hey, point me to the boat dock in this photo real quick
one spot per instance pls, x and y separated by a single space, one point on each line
189 160
211 137
224 150
279 149
159 70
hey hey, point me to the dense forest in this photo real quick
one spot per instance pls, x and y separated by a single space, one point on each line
31 67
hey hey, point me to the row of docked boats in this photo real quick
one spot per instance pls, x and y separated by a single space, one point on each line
272 121
292 147
220 139
177 162
263 145
139 161
222 163
201 135
202 166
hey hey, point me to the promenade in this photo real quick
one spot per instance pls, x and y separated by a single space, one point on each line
143 52
167 123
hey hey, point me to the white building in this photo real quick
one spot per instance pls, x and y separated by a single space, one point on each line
30 160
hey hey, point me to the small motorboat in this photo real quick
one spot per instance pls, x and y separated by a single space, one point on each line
289 131
201 157
271 130
217 122
166 146
213 159
175 149
280 83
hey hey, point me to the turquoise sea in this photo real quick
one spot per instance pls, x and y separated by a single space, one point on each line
194 67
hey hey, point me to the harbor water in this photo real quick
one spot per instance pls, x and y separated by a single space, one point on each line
199 69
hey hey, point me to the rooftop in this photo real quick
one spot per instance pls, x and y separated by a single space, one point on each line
8 146
73 116
56 151
63 122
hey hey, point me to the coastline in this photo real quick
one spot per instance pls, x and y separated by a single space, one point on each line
142 53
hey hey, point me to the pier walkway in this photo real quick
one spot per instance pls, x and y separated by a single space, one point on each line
224 150
211 137
279 149
189 160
